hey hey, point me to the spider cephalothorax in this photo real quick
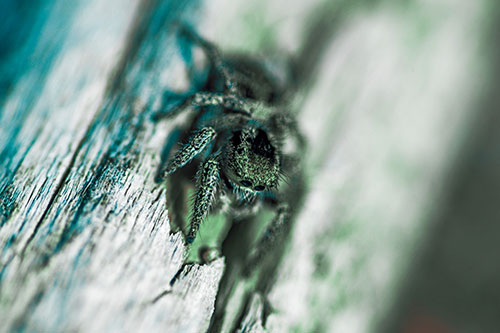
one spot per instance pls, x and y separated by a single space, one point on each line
235 141
252 160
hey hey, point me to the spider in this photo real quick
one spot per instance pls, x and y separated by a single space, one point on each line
243 146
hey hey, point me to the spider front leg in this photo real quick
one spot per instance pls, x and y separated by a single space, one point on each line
207 181
231 102
196 144
271 235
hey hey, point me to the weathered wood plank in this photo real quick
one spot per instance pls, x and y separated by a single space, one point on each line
85 238
399 85
87 246
385 122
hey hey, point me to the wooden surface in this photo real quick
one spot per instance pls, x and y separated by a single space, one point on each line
86 245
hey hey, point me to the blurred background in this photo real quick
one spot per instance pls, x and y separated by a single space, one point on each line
401 224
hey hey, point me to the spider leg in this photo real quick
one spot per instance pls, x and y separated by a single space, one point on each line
271 235
232 103
229 101
283 124
171 105
208 179
196 144
214 56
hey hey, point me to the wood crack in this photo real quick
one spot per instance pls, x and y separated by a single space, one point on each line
57 190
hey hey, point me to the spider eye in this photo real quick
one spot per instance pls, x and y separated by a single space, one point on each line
246 183
258 188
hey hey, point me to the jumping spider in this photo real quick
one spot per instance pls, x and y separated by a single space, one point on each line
244 143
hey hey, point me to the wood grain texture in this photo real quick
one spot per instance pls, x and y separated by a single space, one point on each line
85 236
85 240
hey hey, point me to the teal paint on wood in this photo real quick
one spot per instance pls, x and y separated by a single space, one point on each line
77 175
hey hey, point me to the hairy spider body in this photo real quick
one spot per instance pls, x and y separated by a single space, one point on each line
236 140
